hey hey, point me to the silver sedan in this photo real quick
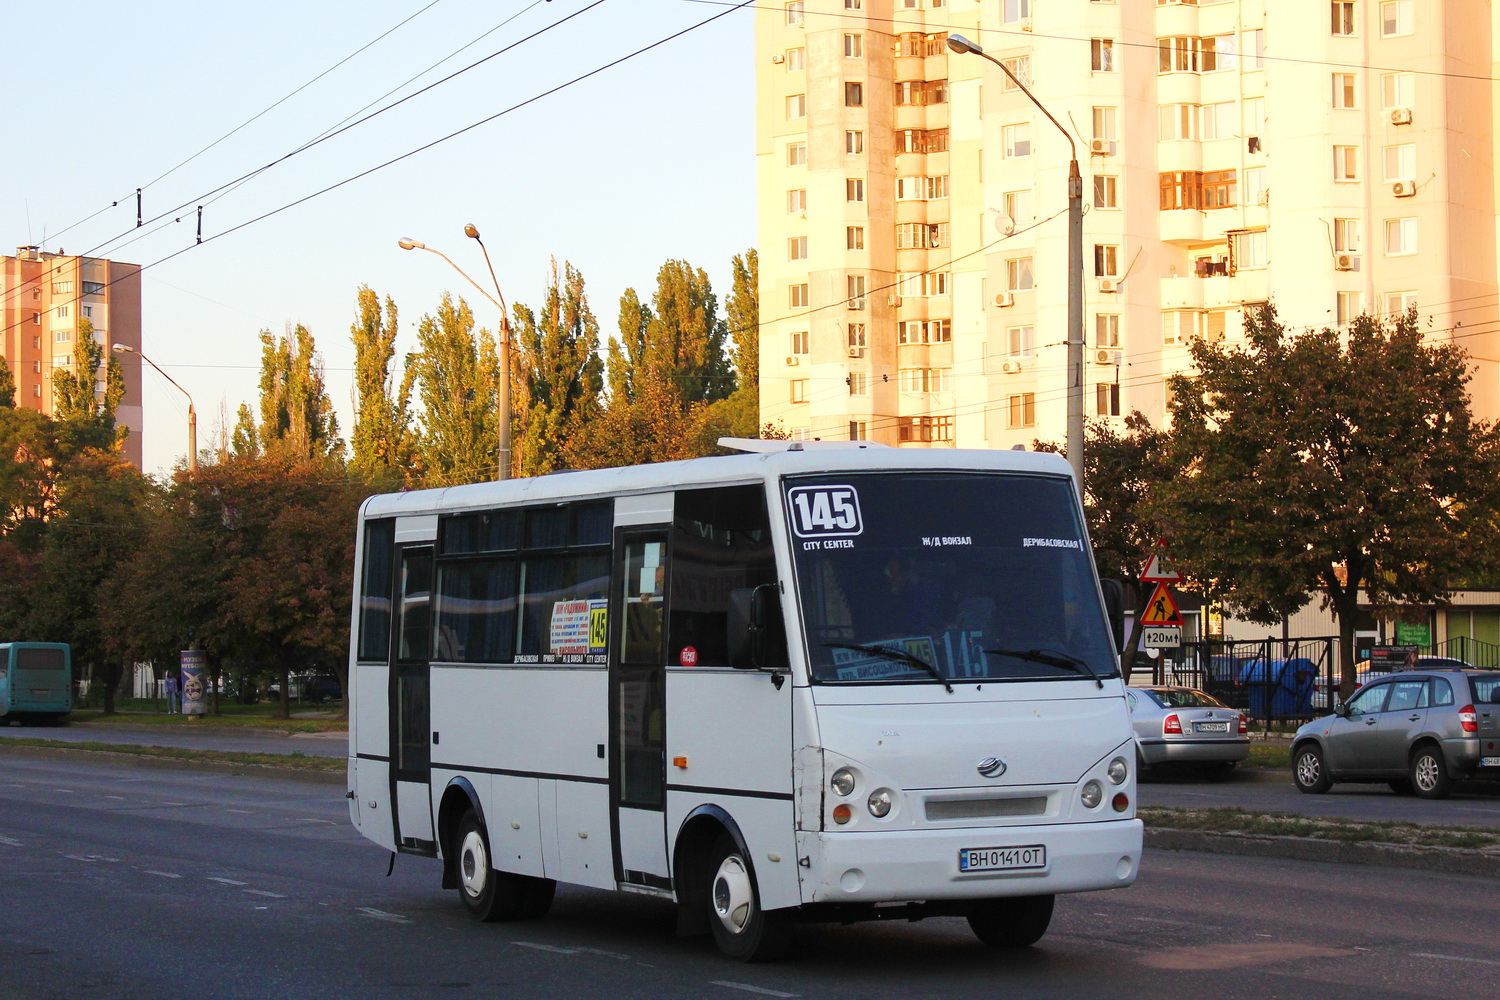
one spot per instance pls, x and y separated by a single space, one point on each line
1180 726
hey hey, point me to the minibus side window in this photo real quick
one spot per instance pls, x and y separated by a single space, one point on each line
721 544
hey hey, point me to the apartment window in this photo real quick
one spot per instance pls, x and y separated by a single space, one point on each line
36 318
937 235
797 297
1398 90
1256 192
65 361
1177 121
854 142
796 154
1343 17
1178 326
1020 68
796 248
88 312
799 390
796 201
939 331
799 342
1399 303
36 367
1177 54
1400 162
1218 121
933 331
1018 206
920 188
855 286
801 434
36 391
856 338
796 106
859 384
1395 18
1218 189
1255 114
935 140
1021 409
63 312
854 189
1343 91
1346 306
1255 48
854 237
933 283
1102 55
852 4
911 140
858 429
796 12
854 46
925 429
1105 123
62 288
1400 236
36 343
1016 139
1248 249
1015 10
62 336
1020 341
1106 260
1106 329
923 380
1107 399
796 60
1018 276
1346 235
1220 52
1346 163
911 236
854 95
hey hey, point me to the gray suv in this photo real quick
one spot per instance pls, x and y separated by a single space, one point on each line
1418 730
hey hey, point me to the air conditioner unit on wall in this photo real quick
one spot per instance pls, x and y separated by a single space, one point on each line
1401 116
1343 261
1105 356
1011 367
856 303
894 302
791 359
1102 147
1404 189
1109 285
1004 299
856 352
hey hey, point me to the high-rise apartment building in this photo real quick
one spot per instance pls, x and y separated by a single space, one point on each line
44 299
1331 158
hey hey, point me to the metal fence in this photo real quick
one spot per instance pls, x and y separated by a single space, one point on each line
1271 680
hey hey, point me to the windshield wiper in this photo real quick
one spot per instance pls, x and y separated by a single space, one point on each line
1052 658
895 654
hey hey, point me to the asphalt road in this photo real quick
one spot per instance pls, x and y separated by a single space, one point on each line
190 736
121 882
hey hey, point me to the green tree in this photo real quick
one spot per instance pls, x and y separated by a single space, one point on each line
86 416
457 374
296 415
384 442
738 415
1329 464
7 384
557 377
245 441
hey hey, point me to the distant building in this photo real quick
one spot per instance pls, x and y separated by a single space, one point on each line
1335 158
43 298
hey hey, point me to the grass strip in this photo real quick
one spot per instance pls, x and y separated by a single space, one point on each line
261 722
292 761
1245 821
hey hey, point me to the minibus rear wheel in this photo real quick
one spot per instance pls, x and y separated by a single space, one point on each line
1012 923
489 894
742 930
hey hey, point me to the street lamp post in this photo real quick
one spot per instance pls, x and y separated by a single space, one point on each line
960 44
192 414
502 391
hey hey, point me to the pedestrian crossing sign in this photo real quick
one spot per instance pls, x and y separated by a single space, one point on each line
1161 610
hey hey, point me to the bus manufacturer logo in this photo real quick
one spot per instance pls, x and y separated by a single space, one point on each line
825 511
992 767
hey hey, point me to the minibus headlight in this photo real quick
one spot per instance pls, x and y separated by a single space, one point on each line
1092 795
1118 771
842 781
880 802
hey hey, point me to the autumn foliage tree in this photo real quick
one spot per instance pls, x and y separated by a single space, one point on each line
558 377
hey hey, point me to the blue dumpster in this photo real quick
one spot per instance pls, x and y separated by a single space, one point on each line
1280 688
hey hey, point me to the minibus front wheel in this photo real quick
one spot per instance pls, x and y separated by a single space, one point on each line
1016 922
489 894
742 930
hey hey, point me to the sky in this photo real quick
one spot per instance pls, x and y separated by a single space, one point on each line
645 161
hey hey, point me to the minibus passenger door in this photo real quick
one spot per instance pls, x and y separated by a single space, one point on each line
411 723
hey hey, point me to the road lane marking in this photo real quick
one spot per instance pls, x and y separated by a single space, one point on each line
546 947
119 798
226 881
242 812
374 914
64 791
152 871
750 989
11 842
1454 958
268 895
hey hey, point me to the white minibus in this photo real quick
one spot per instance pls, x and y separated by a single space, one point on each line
808 682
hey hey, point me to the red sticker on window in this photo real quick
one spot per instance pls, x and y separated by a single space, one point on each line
689 656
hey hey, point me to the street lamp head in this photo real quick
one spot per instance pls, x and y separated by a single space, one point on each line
123 347
471 231
960 44
407 243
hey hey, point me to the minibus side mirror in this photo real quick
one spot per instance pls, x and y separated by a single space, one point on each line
1114 606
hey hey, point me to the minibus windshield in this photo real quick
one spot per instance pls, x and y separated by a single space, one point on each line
945 578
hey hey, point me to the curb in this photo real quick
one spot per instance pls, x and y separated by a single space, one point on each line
336 777
1453 861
